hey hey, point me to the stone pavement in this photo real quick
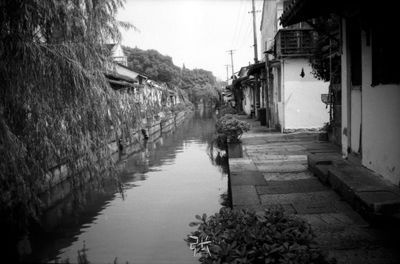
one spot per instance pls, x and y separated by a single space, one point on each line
271 169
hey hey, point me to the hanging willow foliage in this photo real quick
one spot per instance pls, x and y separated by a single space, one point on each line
56 106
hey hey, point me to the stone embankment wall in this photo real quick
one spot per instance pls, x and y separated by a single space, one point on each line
58 186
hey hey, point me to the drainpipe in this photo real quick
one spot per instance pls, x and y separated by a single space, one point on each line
254 100
268 112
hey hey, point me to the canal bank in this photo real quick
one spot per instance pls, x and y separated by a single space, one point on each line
270 169
58 185
164 186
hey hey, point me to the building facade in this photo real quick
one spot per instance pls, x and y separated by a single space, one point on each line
370 80
294 93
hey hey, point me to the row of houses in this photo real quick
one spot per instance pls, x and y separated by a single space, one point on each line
360 104
149 93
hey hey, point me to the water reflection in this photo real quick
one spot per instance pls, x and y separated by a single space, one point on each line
174 178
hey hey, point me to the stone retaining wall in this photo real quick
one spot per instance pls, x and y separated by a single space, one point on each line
57 186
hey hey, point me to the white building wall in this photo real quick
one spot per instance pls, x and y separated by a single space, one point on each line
268 25
302 96
380 123
247 102
279 12
119 55
118 51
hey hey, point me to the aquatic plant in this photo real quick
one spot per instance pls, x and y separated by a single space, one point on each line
243 236
231 127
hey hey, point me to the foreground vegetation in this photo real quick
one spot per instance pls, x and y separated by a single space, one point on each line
243 236
56 105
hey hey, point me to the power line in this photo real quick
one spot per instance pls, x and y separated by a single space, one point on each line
238 14
240 23
245 37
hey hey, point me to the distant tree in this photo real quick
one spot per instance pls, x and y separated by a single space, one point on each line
153 64
198 83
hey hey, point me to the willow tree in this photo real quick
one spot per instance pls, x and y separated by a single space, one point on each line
56 106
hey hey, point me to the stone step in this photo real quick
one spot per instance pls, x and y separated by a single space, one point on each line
366 191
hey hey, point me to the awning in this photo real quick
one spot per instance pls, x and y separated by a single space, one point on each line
119 84
256 68
238 81
370 14
303 10
274 63
118 77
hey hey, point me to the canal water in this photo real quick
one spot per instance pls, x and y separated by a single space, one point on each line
165 186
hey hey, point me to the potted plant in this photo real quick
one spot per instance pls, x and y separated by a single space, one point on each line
231 127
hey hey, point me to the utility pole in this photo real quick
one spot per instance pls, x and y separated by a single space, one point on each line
256 88
231 52
254 31
227 74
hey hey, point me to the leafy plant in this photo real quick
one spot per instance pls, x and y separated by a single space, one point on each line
325 60
242 236
231 127
226 109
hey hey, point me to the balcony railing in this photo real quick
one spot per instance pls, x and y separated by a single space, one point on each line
295 42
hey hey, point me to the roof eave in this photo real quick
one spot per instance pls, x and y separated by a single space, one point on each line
303 10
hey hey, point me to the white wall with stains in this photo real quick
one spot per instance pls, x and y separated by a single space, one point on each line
380 122
302 96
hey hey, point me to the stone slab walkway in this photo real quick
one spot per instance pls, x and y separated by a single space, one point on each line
272 170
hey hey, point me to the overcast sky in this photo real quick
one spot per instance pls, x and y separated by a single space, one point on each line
197 33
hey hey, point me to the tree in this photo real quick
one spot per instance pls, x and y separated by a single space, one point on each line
199 83
153 64
56 105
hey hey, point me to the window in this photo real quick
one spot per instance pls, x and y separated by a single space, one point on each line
385 57
355 52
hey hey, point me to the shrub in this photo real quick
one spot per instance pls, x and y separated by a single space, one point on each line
231 127
226 109
246 237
